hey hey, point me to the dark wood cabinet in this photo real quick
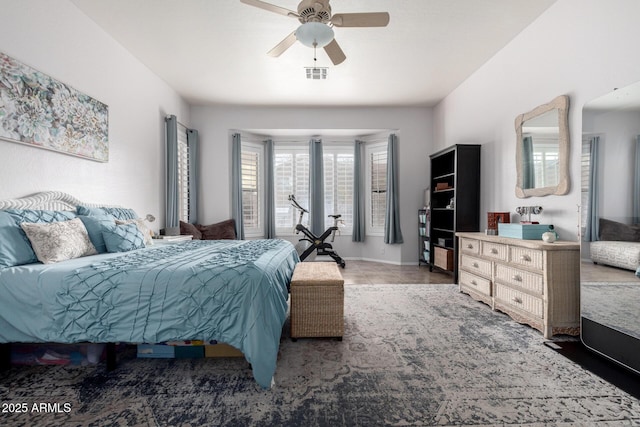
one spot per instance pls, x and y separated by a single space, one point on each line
455 202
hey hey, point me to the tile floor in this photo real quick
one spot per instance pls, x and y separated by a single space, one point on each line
368 272
590 272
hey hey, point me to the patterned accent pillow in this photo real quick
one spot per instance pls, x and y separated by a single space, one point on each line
117 213
148 237
95 226
58 241
123 238
15 247
36 215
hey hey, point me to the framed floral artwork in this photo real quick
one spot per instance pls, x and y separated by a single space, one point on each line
40 111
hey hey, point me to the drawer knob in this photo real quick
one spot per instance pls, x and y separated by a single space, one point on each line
469 246
517 300
474 283
525 258
494 251
517 278
475 264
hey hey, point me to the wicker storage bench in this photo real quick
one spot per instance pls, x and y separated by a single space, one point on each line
317 301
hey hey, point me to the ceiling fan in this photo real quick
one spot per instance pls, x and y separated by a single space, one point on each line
317 22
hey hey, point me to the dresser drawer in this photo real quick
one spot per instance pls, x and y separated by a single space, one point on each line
476 283
527 257
523 279
470 246
475 265
494 251
519 300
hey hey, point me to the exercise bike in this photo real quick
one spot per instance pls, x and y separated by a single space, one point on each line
318 243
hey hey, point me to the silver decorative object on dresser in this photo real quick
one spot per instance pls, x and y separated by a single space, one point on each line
534 282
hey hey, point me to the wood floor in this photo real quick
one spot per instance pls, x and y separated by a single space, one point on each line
373 273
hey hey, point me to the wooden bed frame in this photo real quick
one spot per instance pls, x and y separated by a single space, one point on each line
59 201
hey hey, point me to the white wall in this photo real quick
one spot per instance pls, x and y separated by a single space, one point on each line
54 37
215 125
582 48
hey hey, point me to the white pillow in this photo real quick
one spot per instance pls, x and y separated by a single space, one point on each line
58 241
146 232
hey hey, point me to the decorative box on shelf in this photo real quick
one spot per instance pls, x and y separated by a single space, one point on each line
443 258
523 231
495 218
443 241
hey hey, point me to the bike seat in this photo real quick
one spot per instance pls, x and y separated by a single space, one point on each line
335 216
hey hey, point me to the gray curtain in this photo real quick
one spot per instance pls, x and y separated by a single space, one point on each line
592 229
528 170
270 203
194 174
636 185
172 206
236 184
359 191
392 231
316 187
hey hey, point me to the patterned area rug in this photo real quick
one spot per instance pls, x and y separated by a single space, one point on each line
412 355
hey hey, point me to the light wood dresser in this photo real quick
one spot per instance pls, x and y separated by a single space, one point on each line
534 282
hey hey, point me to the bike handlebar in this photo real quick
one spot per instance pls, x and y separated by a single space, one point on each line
292 199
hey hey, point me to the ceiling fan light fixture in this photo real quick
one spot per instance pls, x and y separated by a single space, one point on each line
314 34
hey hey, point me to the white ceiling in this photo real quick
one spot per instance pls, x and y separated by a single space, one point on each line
214 51
626 98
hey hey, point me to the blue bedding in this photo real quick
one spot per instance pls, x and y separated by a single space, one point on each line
230 291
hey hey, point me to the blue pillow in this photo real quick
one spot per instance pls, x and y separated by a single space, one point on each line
15 247
95 225
14 250
117 213
123 238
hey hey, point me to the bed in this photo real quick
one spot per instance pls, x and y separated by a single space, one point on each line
229 291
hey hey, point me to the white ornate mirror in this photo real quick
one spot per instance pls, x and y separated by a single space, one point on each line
542 152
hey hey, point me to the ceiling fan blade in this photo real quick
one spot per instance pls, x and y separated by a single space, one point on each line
271 8
372 19
283 45
336 55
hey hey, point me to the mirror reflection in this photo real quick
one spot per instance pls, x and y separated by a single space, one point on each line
541 150
610 222
541 153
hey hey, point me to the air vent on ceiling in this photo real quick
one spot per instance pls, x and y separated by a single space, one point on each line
316 73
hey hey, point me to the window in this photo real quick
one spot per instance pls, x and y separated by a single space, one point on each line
183 174
291 176
252 159
376 170
338 185
546 163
